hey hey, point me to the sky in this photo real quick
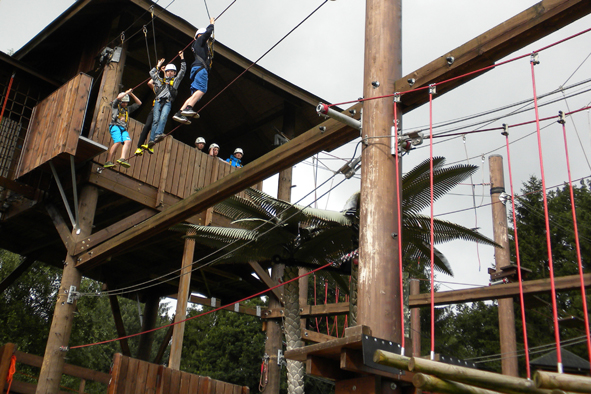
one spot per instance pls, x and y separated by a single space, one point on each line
325 57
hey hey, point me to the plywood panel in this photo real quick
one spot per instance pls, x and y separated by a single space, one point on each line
122 375
175 382
171 165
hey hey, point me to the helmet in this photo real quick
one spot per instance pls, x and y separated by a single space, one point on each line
200 140
200 31
238 150
214 146
170 67
125 99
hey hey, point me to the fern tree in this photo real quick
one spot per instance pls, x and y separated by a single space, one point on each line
276 230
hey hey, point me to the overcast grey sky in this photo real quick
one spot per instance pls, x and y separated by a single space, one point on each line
325 57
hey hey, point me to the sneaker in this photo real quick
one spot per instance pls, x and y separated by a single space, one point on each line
124 163
150 150
151 144
180 118
188 112
159 138
139 152
108 164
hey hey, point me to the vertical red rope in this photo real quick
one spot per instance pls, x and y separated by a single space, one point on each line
432 224
325 302
336 321
6 97
576 229
547 221
317 326
522 302
399 211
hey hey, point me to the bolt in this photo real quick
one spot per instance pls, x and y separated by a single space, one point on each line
393 386
322 129
354 388
411 81
375 84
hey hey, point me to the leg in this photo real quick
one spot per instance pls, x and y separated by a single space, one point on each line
112 151
163 117
156 117
146 129
125 150
195 97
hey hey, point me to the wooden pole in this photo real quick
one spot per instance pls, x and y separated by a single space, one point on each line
415 320
176 348
561 381
502 259
391 359
431 383
379 292
150 317
61 325
474 377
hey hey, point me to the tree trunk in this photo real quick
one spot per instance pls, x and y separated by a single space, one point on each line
295 369
353 295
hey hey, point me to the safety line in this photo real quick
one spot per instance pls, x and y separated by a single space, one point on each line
394 143
202 314
533 62
6 96
431 232
578 245
262 56
517 254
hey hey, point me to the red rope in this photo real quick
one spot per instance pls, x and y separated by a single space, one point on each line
521 300
11 371
6 97
431 230
203 314
579 260
547 222
317 326
399 216
325 302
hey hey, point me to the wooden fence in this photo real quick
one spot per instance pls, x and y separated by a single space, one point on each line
133 376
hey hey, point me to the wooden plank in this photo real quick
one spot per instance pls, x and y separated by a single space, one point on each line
186 170
313 336
79 107
122 375
352 360
142 374
185 386
152 378
115 369
164 171
204 385
164 380
72 370
331 349
132 368
190 173
175 382
114 229
172 173
341 308
193 384
530 287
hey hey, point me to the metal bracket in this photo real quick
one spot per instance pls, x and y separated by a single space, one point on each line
432 89
505 131
258 311
370 344
73 220
280 359
73 295
535 58
213 302
561 118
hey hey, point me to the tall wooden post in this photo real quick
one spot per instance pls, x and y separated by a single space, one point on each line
502 256
150 316
63 315
379 292
274 334
182 299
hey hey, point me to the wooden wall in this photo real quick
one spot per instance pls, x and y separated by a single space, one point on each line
133 376
55 125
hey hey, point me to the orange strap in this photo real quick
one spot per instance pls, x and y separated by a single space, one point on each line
11 371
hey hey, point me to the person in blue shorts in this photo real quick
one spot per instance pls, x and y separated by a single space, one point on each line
199 73
118 127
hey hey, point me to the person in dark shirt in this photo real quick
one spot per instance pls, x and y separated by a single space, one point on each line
199 73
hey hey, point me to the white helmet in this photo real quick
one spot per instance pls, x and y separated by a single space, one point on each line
125 99
238 150
200 31
169 67
214 146
200 140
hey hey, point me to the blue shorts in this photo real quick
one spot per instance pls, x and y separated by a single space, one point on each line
119 134
199 79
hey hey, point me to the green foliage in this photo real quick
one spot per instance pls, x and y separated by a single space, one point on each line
225 345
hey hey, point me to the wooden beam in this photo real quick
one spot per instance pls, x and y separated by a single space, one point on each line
530 287
207 302
548 16
339 308
316 337
264 276
60 225
112 230
119 326
524 28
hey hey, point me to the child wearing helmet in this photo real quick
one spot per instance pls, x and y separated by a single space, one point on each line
199 73
166 90
120 118
214 149
235 159
200 143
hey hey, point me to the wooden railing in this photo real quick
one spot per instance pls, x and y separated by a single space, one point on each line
175 167
130 376
9 349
